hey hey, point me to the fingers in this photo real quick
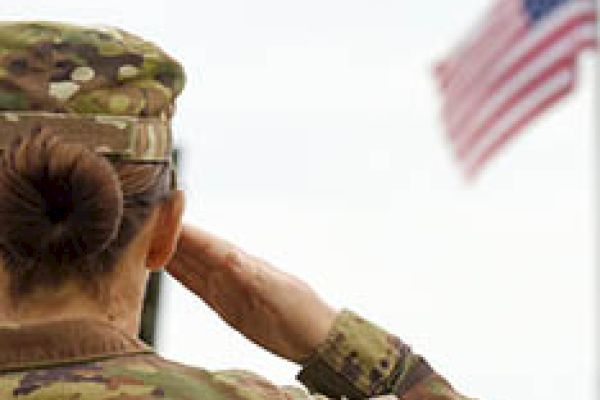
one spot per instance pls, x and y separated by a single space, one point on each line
209 266
199 252
214 253
220 272
210 248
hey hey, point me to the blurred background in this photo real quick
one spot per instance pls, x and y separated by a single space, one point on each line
309 134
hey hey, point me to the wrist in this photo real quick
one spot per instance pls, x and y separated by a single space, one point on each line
320 333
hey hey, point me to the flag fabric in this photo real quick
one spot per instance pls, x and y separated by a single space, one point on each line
517 62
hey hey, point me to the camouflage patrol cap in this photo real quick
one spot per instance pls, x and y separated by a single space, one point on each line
101 86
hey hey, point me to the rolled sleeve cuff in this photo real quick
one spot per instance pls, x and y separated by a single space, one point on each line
359 359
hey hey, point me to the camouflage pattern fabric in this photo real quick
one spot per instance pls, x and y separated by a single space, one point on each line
360 360
119 137
103 87
63 68
83 360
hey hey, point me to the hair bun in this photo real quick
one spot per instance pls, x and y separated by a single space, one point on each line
59 202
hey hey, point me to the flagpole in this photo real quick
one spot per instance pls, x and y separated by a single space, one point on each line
596 174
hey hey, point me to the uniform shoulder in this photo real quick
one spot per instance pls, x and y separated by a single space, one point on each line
140 377
176 379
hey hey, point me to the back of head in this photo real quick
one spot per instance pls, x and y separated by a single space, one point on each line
84 130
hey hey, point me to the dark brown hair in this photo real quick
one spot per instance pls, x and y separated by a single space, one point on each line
67 213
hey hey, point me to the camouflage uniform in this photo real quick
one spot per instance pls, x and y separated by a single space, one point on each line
92 360
115 92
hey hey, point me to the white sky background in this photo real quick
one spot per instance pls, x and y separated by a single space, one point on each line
312 139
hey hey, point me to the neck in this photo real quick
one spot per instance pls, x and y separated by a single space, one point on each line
121 306
64 303
120 302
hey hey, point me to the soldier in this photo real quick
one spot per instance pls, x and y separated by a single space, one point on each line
88 206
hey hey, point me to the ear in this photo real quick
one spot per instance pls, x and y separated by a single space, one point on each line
165 232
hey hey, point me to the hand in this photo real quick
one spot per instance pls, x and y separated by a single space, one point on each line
268 306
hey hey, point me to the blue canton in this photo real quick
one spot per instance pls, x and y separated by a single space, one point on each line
538 9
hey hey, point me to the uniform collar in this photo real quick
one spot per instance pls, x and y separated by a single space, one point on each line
59 342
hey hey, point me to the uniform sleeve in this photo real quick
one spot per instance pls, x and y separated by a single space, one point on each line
358 360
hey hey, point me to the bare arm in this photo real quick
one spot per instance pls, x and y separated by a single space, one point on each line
342 354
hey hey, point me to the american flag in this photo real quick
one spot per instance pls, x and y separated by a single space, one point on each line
518 61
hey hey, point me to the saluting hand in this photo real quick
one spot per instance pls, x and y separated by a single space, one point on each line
268 306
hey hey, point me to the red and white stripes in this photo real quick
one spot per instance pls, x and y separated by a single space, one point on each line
509 74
